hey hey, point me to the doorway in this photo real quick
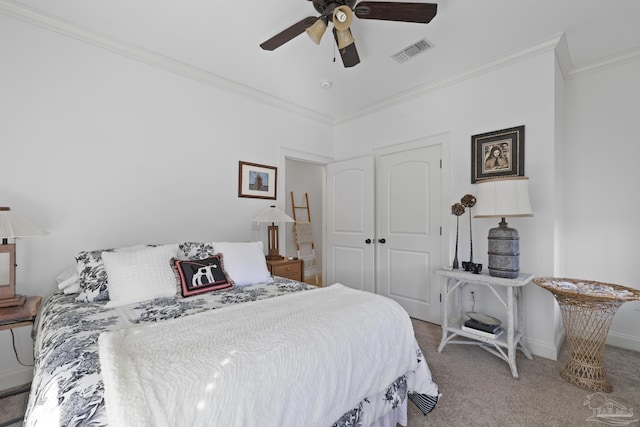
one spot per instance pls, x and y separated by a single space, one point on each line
305 178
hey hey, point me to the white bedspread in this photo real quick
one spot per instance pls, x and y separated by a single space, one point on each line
298 360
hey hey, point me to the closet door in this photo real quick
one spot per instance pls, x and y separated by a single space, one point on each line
350 223
409 219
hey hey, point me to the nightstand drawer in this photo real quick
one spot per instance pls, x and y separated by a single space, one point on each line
289 268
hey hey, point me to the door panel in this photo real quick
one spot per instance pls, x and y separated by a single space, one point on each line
350 216
409 220
413 288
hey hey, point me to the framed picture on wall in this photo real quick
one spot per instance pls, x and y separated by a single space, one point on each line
497 154
257 181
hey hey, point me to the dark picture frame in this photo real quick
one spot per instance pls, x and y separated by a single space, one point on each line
257 181
497 154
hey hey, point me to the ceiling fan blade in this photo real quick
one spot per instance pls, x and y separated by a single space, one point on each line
396 11
349 54
289 33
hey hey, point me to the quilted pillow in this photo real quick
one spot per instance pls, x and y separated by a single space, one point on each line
245 262
195 250
92 275
141 275
202 275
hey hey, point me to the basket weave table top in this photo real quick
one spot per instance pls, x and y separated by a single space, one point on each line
587 289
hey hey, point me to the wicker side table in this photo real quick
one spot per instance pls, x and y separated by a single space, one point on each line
587 309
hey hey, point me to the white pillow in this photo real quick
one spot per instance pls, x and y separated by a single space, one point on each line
73 288
244 262
69 281
140 275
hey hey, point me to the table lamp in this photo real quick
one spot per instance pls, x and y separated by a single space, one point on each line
273 215
12 225
502 198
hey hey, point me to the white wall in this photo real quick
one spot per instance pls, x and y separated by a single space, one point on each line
601 192
103 151
518 94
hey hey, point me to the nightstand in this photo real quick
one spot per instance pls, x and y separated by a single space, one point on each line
289 268
20 315
508 292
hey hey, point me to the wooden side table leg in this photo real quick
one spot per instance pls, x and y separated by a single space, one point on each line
587 325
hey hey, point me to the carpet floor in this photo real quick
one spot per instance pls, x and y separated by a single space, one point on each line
478 389
13 403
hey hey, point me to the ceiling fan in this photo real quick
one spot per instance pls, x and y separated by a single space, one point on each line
340 13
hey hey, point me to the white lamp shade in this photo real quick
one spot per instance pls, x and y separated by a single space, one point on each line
12 224
272 215
503 197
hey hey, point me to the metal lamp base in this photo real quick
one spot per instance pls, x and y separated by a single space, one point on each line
504 251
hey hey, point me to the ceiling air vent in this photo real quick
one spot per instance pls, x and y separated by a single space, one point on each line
410 51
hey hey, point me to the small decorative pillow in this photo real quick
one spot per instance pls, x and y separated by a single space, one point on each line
203 275
245 262
140 275
195 250
92 275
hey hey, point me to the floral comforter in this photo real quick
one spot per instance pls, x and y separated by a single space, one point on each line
68 390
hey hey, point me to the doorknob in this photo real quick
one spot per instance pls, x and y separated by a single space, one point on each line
383 241
368 241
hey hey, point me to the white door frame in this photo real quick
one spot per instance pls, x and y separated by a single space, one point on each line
304 156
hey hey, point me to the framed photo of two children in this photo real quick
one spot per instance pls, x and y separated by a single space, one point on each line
497 154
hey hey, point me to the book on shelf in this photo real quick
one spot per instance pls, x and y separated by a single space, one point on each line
482 333
482 326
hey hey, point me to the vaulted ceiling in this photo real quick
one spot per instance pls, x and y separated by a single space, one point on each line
221 38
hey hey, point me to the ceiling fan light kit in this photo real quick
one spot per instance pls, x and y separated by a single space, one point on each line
316 31
341 13
345 38
342 18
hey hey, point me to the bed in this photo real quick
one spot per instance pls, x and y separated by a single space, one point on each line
250 349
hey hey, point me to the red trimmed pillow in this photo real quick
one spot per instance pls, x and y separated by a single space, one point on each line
201 275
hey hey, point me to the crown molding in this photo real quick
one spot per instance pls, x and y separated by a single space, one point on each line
606 63
47 21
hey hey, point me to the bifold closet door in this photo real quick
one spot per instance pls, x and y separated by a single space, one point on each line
408 223
350 227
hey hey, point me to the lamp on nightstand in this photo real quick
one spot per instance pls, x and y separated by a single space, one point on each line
12 225
273 215
502 198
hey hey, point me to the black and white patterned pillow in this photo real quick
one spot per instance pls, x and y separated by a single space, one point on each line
195 250
92 275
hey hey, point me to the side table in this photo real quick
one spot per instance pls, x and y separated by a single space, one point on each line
18 316
456 280
587 309
289 268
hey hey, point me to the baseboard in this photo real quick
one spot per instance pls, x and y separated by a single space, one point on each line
15 378
543 349
629 342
